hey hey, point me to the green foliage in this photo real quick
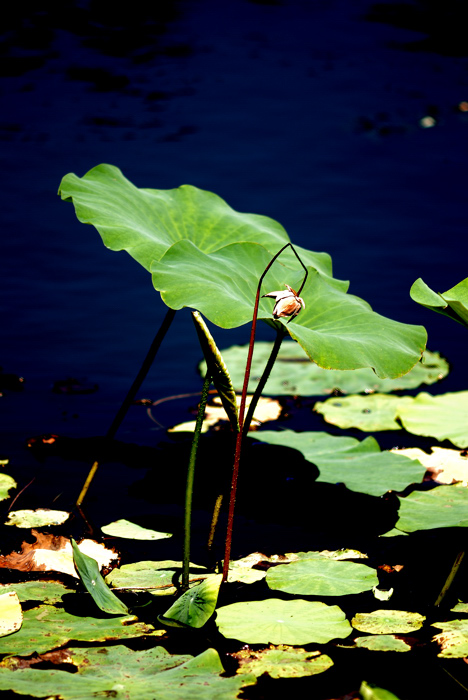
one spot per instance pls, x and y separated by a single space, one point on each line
369 691
11 616
127 530
294 374
194 607
283 662
322 577
158 578
278 621
388 622
453 639
134 675
359 465
452 303
41 517
443 506
88 570
6 484
46 591
382 642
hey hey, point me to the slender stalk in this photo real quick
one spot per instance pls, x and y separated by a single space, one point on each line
120 415
239 437
280 334
453 572
214 523
190 480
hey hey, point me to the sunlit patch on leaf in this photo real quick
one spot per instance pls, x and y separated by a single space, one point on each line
382 642
267 410
276 621
54 553
11 615
36 518
282 662
444 465
382 594
322 576
453 640
460 607
6 484
128 530
388 622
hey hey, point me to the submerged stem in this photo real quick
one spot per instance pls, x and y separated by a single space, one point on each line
190 480
120 415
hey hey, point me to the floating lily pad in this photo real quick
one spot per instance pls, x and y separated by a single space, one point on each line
322 577
453 640
131 531
195 606
46 591
452 303
277 621
338 555
446 466
374 412
460 608
293 373
11 615
382 642
388 622
359 465
41 517
282 662
47 627
6 484
266 410
150 576
116 671
443 506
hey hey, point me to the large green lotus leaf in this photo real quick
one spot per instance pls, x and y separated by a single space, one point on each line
382 642
119 672
278 621
443 506
452 303
47 627
374 412
322 577
443 417
453 639
6 484
45 591
195 606
388 622
337 330
359 465
282 662
294 374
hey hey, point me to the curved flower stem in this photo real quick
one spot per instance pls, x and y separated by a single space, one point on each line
190 480
280 334
120 415
453 572
240 434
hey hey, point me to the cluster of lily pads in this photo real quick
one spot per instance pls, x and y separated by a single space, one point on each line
205 256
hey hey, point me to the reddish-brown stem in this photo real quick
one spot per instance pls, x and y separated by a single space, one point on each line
239 437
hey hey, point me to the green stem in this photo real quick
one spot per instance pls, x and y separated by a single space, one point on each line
190 481
120 415
453 572
280 334
214 523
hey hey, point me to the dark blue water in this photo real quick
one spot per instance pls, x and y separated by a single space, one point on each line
305 112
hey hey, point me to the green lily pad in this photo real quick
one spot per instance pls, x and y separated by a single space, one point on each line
453 640
88 570
282 662
294 374
369 691
388 622
452 303
116 671
47 627
278 621
382 642
151 576
195 607
460 607
131 531
41 517
443 506
336 330
359 465
443 417
6 484
11 615
322 577
46 591
374 412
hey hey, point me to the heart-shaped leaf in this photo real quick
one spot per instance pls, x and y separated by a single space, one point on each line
322 577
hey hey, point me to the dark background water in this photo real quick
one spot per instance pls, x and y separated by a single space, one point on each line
308 112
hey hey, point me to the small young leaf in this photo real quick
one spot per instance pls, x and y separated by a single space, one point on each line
195 606
88 570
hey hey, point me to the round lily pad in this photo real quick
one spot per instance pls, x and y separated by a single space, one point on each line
374 412
278 621
282 662
41 517
388 622
131 531
382 642
322 577
443 506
